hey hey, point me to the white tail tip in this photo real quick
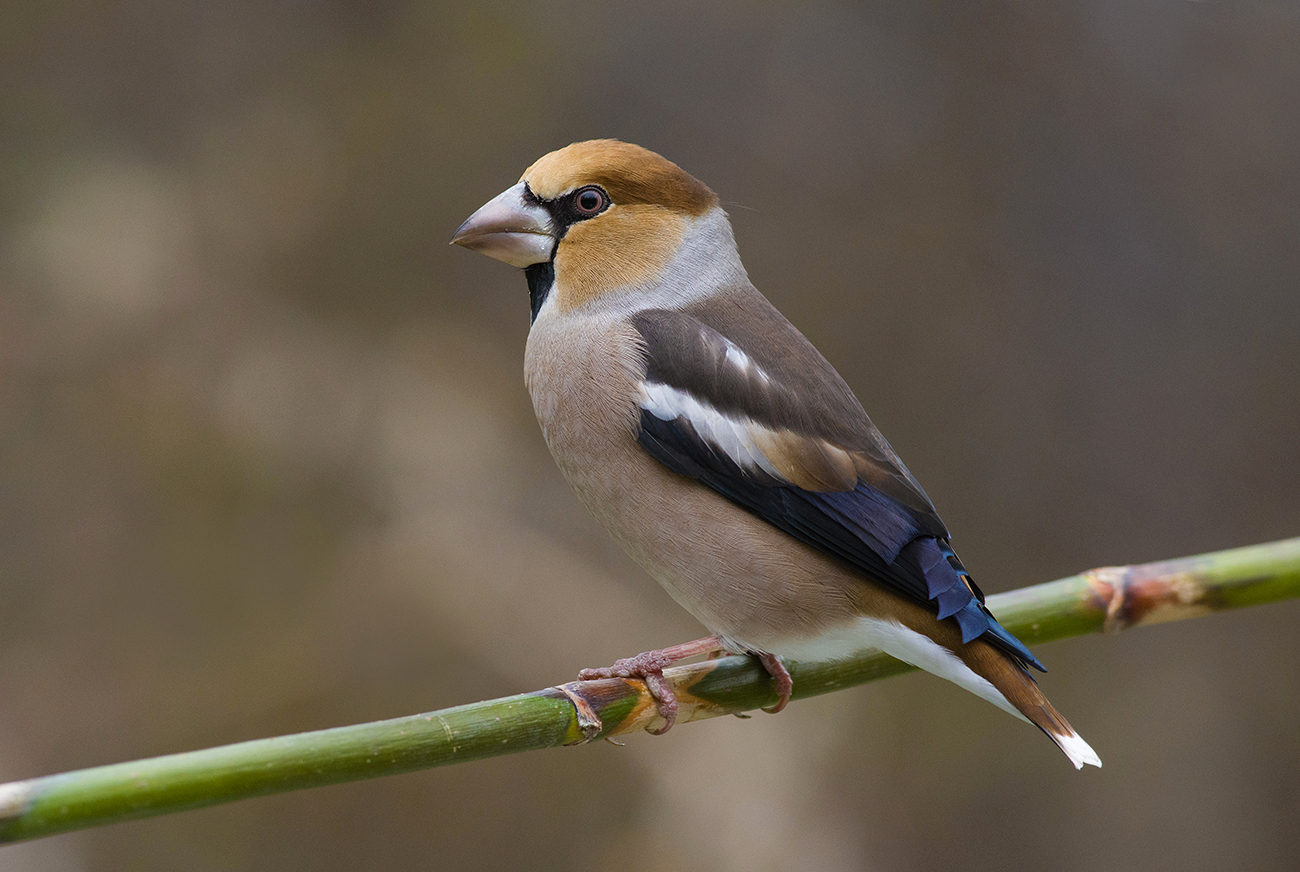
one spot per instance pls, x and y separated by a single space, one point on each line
1077 750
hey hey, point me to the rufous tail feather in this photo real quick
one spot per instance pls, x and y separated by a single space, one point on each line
1011 679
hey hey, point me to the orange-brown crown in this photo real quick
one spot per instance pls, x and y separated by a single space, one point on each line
631 174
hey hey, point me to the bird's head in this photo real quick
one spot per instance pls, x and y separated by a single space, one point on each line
590 218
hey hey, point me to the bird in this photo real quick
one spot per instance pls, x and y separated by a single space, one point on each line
721 450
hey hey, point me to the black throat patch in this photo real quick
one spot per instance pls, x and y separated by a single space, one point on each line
541 278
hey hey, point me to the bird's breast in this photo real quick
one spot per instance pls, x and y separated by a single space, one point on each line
738 575
582 374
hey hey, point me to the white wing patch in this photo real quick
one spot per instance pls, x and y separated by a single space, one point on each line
734 437
808 463
742 361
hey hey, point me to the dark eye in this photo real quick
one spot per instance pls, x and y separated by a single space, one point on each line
590 200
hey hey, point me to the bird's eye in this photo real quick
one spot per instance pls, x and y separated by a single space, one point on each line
590 200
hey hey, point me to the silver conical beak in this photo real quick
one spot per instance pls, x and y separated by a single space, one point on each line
511 227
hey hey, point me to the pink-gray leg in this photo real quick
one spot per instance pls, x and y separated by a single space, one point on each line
649 667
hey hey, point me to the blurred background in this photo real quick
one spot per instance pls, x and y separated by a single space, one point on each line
267 463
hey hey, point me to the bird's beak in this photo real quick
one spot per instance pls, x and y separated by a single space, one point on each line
512 227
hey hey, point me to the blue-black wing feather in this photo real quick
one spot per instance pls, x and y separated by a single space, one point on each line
892 534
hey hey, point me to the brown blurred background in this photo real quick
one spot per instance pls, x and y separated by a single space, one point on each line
267 463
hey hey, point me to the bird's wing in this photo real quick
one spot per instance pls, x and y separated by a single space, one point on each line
766 422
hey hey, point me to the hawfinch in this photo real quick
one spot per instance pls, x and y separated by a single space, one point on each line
719 447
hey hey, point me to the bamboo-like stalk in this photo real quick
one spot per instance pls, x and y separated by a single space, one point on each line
1107 599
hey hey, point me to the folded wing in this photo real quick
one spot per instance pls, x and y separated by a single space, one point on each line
766 422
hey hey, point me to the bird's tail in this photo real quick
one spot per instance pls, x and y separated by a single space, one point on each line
1014 683
982 668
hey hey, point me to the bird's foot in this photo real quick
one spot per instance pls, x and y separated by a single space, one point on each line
784 683
649 667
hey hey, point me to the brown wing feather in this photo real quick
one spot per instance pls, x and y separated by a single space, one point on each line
790 389
807 462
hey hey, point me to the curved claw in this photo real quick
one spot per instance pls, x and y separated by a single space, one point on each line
665 699
784 683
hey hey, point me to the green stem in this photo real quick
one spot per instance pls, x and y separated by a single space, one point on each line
1107 599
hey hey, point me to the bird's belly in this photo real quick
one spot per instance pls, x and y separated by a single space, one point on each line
738 575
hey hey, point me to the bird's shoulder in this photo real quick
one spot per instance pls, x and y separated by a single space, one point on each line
736 371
